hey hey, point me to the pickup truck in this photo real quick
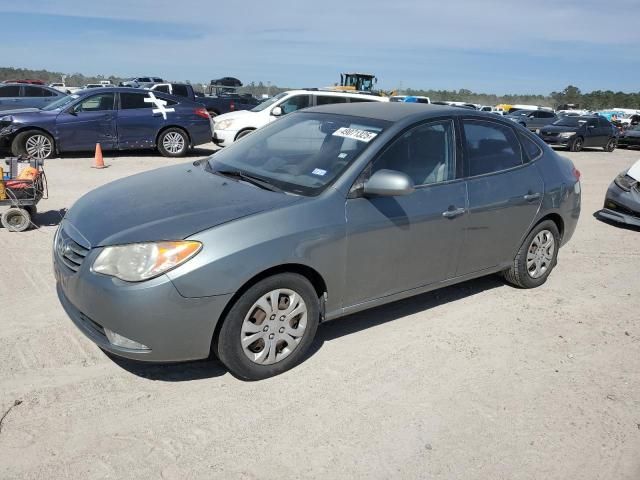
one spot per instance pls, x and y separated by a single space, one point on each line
215 105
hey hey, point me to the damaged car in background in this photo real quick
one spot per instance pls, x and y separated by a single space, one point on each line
622 202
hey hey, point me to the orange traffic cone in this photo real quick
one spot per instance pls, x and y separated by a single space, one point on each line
98 161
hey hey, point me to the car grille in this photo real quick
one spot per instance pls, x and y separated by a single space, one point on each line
70 252
549 134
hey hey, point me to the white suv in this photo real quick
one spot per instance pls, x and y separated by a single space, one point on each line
231 126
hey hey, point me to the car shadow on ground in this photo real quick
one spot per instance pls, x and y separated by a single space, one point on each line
623 226
50 218
210 368
109 154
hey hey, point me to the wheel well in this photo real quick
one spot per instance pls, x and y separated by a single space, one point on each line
173 126
39 129
244 130
309 273
555 218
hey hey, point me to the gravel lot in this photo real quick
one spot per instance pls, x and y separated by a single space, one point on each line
476 381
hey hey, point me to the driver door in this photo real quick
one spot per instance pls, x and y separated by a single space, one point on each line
88 122
400 243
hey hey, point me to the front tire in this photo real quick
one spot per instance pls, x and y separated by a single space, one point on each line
536 258
611 145
173 142
269 328
34 143
577 144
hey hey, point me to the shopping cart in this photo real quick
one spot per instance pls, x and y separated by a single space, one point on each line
21 195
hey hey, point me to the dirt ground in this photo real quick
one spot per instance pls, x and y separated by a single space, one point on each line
477 381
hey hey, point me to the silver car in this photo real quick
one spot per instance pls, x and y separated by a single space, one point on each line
326 212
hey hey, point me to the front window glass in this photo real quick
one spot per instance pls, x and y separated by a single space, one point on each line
297 102
329 99
302 153
425 153
97 103
30 91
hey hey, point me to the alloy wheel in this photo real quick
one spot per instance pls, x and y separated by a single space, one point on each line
540 254
38 146
173 142
274 326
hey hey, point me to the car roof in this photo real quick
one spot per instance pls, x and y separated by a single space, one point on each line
335 93
387 111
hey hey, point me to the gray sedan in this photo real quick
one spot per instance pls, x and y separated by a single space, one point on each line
326 212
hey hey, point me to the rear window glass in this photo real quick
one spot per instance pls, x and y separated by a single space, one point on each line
531 149
130 101
10 91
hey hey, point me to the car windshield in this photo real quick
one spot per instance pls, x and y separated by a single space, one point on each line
301 153
61 103
570 122
269 102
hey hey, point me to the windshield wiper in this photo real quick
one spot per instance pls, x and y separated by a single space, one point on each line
258 182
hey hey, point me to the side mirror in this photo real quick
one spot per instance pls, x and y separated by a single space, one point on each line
277 111
72 111
388 183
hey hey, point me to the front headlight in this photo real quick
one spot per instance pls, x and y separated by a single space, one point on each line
223 125
568 135
142 261
625 182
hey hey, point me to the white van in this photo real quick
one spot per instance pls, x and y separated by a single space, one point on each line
229 127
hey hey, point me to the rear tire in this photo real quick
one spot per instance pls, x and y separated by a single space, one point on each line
16 219
257 341
173 142
34 143
536 258
577 144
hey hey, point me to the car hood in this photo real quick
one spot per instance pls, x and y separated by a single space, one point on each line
631 133
559 128
167 204
4 113
232 115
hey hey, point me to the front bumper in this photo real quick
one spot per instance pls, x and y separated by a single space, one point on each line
224 138
621 206
152 313
556 140
629 141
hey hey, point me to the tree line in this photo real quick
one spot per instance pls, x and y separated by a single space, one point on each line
595 100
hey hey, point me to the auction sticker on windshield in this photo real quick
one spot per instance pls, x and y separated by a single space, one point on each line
355 134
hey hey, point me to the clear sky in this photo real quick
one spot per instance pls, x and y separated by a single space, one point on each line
491 46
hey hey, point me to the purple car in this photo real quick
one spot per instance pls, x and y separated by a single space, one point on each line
116 118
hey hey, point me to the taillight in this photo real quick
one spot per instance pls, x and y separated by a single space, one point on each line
202 112
232 106
576 173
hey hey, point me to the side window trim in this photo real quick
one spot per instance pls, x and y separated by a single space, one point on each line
466 161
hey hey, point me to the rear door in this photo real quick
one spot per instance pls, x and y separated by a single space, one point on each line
505 192
89 122
137 122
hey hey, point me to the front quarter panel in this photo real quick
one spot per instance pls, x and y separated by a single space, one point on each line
309 233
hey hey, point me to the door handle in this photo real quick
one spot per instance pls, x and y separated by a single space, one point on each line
453 213
530 197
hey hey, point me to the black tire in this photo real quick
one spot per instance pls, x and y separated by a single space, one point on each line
519 274
19 144
16 219
173 142
228 345
243 133
611 145
577 144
